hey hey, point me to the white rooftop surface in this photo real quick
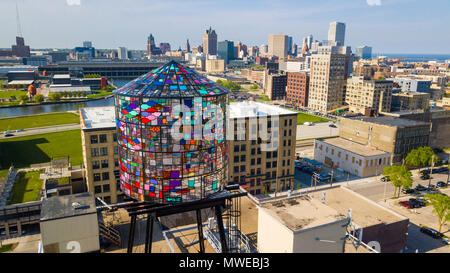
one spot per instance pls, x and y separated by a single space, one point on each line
256 109
62 76
21 82
98 117
69 88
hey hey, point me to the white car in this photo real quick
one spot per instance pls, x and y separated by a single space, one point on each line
308 123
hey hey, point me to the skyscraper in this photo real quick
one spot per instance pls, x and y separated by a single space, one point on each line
336 33
309 41
278 45
364 52
188 46
290 42
210 42
122 53
327 82
226 50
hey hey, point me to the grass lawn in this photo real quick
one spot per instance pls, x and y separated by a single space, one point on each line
302 118
36 149
6 248
38 121
8 94
26 188
99 94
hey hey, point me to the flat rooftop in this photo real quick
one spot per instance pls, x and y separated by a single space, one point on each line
365 212
302 212
256 109
352 146
98 117
67 206
390 121
308 211
61 76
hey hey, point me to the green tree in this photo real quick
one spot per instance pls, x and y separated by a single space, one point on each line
427 156
400 177
441 207
413 159
255 86
84 93
23 98
55 96
39 98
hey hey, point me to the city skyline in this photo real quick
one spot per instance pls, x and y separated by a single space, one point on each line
373 23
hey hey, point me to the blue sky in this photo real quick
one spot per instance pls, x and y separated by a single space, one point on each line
389 26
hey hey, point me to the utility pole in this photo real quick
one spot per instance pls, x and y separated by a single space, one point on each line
332 172
431 170
448 167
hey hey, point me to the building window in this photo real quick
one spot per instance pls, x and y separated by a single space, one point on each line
242 158
95 165
268 165
98 189
104 151
236 169
115 137
103 138
243 148
94 152
105 176
236 159
107 199
94 139
116 150
104 164
236 148
97 177
106 188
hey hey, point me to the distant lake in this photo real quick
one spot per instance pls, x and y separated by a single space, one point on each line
417 57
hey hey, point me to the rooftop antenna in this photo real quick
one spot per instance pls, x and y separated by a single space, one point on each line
19 27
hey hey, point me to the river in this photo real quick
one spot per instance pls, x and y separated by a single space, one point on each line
57 107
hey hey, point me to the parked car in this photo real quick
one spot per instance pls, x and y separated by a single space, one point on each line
431 232
426 171
308 170
9 135
308 123
425 177
417 203
440 170
420 188
405 204
431 187
441 184
20 130
332 126
385 179
408 191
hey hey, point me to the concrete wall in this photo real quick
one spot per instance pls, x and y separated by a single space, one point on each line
58 234
273 236
306 241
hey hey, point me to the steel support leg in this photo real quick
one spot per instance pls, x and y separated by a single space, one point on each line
131 234
149 234
200 231
223 240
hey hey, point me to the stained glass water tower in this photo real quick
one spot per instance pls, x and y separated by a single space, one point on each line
160 117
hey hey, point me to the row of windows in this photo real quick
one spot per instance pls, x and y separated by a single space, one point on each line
103 151
101 177
103 164
103 138
103 189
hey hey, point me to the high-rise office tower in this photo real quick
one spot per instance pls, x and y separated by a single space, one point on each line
364 52
327 81
264 49
225 50
278 45
309 41
210 42
336 33
188 46
122 53
290 42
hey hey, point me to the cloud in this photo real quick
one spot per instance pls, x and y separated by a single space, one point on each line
78 2
374 2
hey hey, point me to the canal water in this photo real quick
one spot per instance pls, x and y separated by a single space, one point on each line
57 107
